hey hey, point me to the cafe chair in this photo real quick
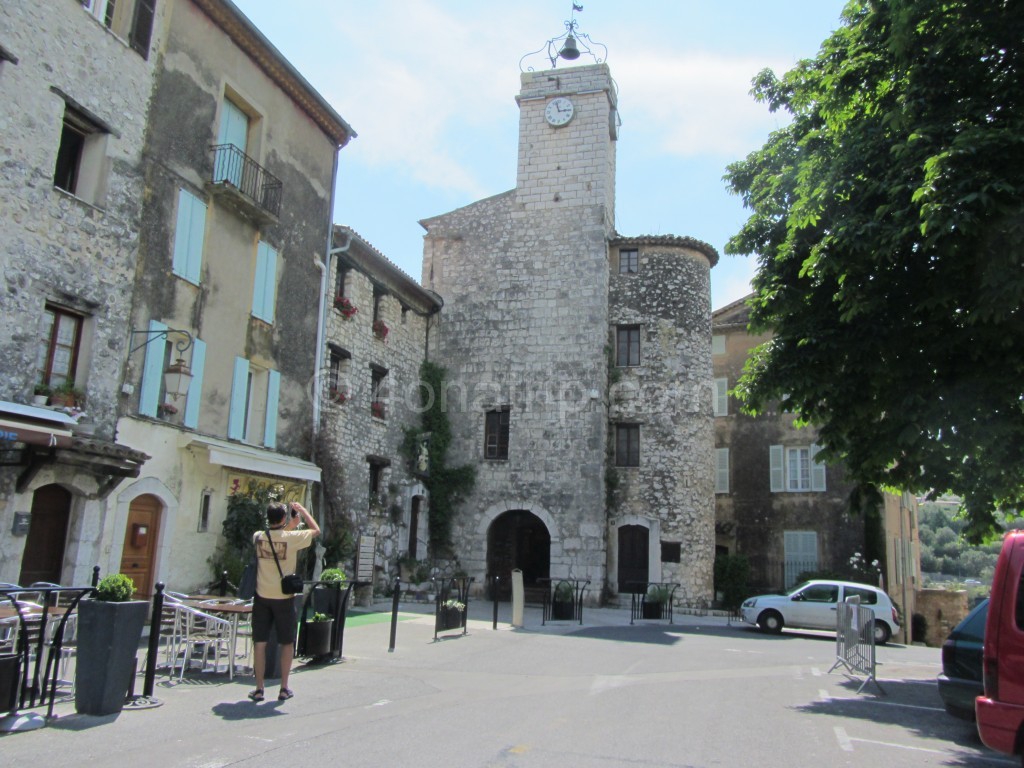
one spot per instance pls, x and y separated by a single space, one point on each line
205 638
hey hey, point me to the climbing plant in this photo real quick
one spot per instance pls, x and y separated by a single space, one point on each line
447 486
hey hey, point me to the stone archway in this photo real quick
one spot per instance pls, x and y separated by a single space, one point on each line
519 539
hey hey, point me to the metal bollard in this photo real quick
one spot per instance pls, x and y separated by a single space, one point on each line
394 614
154 640
494 598
95 575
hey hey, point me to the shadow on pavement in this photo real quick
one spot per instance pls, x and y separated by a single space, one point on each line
247 710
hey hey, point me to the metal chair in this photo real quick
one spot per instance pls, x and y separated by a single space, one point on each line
204 635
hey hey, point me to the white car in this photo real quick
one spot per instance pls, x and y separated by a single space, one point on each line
812 605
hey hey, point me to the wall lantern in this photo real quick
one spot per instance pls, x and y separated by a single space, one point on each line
177 376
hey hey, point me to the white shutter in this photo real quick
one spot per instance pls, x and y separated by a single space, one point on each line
775 461
817 471
721 397
721 470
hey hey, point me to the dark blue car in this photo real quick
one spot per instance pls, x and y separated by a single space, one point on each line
960 681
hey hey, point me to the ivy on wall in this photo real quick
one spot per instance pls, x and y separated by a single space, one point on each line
446 486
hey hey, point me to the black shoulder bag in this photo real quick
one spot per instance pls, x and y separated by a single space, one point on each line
291 584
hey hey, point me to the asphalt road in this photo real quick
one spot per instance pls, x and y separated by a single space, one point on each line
698 693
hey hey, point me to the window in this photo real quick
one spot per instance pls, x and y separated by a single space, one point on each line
718 344
378 300
342 280
378 481
496 424
204 511
629 262
867 596
255 393
265 283
721 470
131 19
671 551
627 345
721 404
189 231
338 389
801 554
820 593
378 392
795 469
627 445
79 169
59 343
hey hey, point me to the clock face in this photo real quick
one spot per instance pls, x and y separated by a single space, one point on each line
559 111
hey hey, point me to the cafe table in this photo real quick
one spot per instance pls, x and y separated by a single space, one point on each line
232 610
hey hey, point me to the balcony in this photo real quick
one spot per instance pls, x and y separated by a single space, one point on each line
242 182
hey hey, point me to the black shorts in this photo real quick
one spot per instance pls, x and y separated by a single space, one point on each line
279 614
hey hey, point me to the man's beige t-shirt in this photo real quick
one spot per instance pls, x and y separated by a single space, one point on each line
287 544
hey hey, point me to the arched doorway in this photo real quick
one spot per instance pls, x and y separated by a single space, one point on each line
138 557
43 559
634 551
518 539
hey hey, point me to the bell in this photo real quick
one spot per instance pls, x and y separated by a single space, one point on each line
569 51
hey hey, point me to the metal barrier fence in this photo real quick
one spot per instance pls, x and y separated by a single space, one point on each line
855 640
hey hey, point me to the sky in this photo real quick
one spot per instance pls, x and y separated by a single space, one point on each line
429 87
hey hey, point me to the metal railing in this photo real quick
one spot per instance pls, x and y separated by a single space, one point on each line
855 640
564 600
652 600
232 166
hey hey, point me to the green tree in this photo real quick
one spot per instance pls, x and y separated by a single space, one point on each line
889 221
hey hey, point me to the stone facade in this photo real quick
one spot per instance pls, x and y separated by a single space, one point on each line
71 141
359 440
529 310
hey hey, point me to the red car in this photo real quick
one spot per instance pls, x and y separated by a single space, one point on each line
1000 711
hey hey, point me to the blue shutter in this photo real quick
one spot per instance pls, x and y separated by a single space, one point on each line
239 399
189 231
195 389
153 370
273 395
264 283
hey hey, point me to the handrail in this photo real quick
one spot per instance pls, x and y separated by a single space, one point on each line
233 167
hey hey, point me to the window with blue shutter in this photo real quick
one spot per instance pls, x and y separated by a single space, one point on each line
189 231
153 370
264 284
239 410
195 389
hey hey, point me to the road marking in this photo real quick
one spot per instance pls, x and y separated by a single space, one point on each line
815 671
823 694
381 703
887 703
844 741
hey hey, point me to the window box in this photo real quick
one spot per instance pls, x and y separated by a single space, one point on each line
377 409
344 305
380 330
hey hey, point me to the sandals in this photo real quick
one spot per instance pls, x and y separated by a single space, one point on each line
256 695
285 694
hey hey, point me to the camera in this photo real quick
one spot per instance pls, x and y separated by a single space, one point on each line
293 511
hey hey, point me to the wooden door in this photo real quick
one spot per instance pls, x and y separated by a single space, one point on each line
43 559
138 557
634 550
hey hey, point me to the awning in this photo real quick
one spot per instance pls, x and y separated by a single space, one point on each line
250 459
33 434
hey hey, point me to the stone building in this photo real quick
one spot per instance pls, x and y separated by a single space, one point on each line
76 81
376 340
776 505
239 176
578 364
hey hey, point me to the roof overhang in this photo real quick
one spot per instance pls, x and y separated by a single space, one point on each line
250 459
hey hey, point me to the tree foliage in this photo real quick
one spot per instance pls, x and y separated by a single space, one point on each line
889 221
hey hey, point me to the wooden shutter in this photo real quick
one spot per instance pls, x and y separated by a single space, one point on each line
273 396
195 389
721 470
264 283
777 476
239 399
153 370
817 470
721 397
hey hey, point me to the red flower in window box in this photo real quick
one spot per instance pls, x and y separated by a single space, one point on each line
344 305
337 396
380 330
377 409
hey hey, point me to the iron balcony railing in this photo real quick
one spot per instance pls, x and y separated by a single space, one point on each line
232 166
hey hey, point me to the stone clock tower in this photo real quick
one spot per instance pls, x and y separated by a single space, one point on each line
528 332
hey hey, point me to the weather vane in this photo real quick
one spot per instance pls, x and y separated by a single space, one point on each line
570 45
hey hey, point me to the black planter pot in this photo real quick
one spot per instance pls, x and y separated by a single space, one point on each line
652 611
108 642
449 618
318 637
10 678
562 609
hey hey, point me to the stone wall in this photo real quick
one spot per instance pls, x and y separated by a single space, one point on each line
942 610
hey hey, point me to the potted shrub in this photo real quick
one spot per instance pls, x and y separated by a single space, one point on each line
451 614
317 631
654 602
563 602
41 394
329 594
67 395
109 630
